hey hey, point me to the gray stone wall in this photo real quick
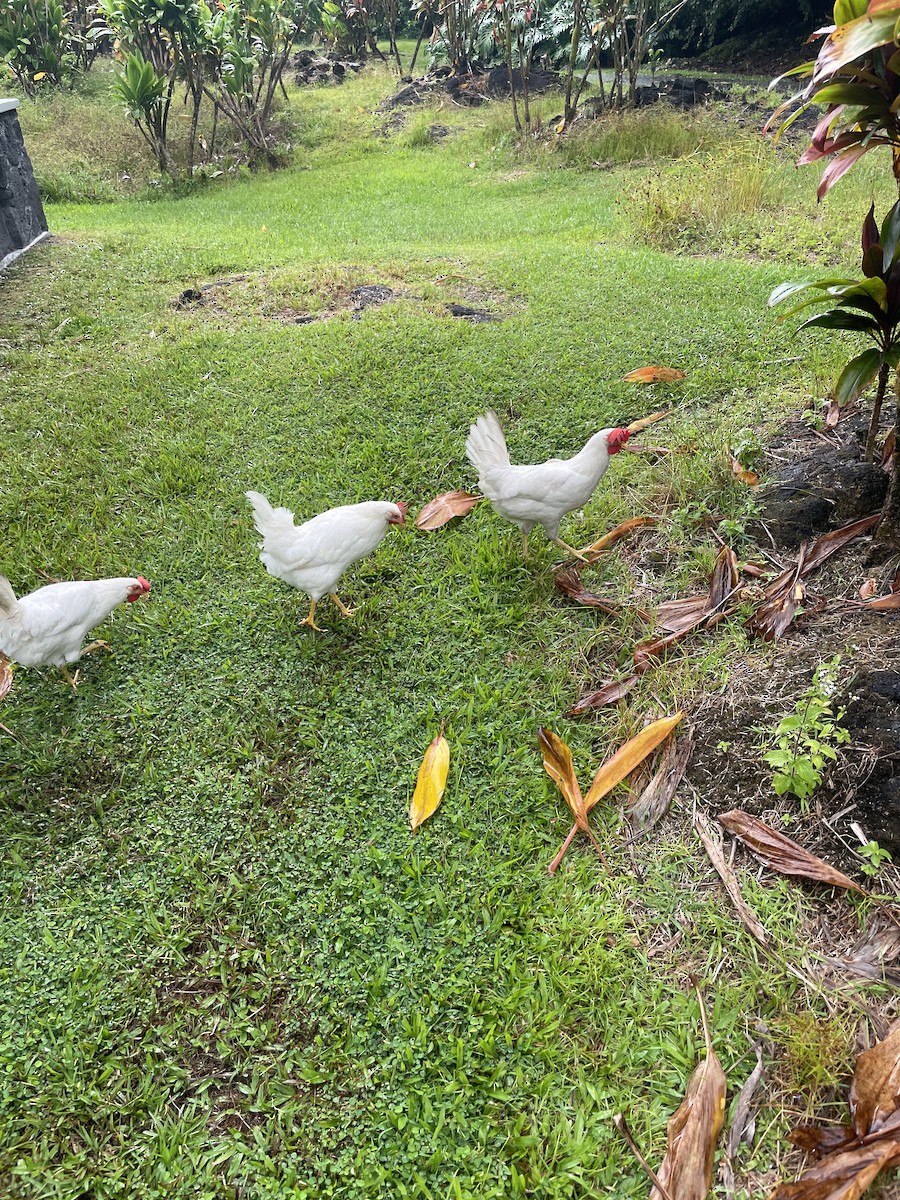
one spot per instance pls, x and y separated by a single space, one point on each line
22 220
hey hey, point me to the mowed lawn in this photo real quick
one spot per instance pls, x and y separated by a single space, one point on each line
228 969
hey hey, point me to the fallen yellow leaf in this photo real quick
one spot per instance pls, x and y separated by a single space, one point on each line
627 757
558 765
431 781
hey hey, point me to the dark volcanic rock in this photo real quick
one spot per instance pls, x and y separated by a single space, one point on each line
822 492
873 718
370 294
477 316
22 218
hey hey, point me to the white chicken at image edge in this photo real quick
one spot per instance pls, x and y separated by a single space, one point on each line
47 627
541 494
313 556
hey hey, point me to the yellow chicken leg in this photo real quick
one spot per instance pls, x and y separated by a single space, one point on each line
71 680
310 619
524 537
345 611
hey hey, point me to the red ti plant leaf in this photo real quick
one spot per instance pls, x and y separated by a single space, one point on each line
781 854
444 508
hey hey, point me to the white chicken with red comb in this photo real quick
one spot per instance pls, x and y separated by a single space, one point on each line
541 494
313 556
47 627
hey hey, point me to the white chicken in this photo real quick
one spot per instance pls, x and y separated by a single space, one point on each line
313 556
48 626
541 494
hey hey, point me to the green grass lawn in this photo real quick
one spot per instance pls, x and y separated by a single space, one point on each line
226 968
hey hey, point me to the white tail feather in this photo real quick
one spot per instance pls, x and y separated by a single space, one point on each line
269 520
486 445
9 605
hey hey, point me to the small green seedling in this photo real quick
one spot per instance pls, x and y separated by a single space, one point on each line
805 740
876 856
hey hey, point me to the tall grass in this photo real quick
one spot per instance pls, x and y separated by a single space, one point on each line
638 136
745 197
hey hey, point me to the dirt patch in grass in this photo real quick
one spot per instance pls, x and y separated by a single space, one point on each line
335 291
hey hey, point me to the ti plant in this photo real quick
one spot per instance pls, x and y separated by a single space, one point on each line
869 306
856 79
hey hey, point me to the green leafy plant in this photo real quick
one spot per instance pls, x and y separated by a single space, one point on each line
855 79
33 41
147 97
869 306
876 856
805 740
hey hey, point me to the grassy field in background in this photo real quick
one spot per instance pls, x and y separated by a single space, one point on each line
226 968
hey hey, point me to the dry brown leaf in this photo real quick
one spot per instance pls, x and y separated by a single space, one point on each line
640 448
654 375
741 474
654 800
684 615
875 1089
431 781
6 675
780 853
569 582
868 589
616 534
627 757
444 508
785 594
820 1140
829 543
724 579
678 616
832 414
884 603
712 844
845 1175
686 1171
887 451
610 693
743 1123
774 616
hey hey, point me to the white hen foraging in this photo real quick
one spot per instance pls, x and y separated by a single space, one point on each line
541 494
47 627
313 556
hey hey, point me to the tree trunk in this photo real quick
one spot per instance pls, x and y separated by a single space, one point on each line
883 374
887 537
